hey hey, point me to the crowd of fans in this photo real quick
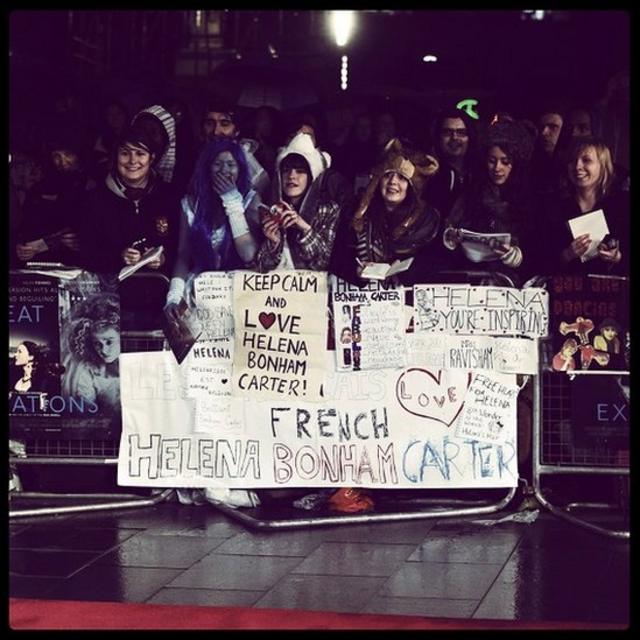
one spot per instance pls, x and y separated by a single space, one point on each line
285 196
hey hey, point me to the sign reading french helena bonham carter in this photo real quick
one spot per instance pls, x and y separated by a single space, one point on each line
380 428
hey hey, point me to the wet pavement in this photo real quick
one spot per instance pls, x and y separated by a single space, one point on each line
544 570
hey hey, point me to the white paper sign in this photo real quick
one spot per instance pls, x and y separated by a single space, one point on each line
465 309
490 405
281 328
214 303
426 349
507 355
369 324
383 428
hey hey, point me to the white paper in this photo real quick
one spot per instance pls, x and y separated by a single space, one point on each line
382 270
478 247
149 256
490 406
595 224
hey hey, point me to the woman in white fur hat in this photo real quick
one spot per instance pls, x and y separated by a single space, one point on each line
300 227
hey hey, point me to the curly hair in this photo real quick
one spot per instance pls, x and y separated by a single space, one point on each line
512 136
94 314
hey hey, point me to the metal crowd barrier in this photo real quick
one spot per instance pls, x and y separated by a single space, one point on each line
555 452
422 507
53 451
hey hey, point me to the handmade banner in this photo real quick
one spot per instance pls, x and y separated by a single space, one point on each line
64 343
466 309
383 428
509 355
369 325
589 323
280 340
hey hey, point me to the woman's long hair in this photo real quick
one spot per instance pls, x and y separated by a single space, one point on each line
209 212
96 313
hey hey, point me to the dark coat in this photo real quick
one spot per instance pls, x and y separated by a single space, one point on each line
555 235
113 222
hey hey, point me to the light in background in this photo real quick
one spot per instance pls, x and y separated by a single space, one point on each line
430 58
342 23
344 72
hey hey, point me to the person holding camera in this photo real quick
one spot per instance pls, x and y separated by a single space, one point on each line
300 227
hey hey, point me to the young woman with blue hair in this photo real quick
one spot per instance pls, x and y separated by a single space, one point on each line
219 222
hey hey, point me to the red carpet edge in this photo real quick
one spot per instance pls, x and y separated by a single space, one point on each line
69 614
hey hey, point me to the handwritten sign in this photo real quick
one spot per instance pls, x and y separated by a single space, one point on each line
369 324
281 323
490 404
465 309
426 349
509 355
214 304
365 432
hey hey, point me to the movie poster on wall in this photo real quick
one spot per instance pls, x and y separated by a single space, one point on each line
64 345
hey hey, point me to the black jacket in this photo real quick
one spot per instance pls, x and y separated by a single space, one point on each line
114 222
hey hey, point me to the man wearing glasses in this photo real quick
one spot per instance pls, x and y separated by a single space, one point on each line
453 136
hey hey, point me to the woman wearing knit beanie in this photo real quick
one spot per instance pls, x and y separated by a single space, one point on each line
497 205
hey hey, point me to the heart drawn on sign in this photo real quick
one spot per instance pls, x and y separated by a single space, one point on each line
432 395
266 319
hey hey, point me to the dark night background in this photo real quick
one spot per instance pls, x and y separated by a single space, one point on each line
505 58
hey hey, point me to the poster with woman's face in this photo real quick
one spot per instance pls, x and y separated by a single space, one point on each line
64 348
34 342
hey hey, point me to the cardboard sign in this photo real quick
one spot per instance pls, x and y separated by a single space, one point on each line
281 324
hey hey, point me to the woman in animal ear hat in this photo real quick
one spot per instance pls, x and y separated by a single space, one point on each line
393 220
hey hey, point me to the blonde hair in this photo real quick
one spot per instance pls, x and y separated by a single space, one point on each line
603 154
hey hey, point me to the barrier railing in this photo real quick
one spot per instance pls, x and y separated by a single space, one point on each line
272 516
152 338
559 452
50 450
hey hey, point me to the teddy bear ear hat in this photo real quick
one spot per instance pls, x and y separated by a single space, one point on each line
417 167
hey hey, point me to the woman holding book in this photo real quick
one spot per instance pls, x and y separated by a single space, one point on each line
588 186
490 221
392 221
132 212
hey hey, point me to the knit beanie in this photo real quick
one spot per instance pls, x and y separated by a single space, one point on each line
165 163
